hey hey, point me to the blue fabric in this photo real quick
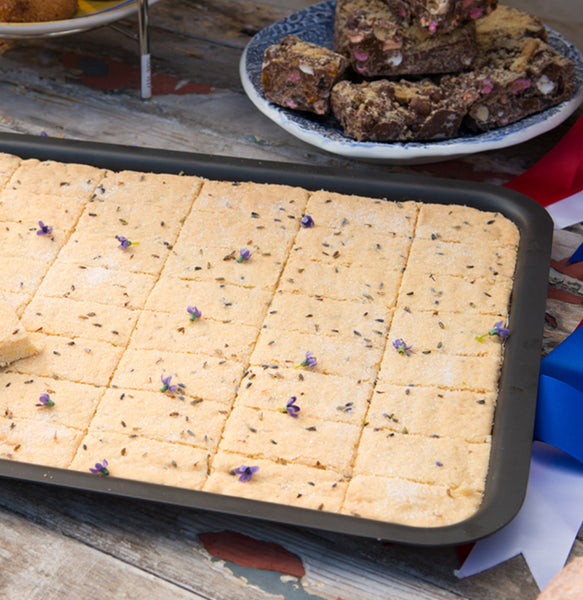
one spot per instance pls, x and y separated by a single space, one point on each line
559 413
577 255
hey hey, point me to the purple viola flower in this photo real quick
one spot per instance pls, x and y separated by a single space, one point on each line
401 347
44 229
310 361
307 221
45 400
193 312
244 254
498 329
245 473
166 385
100 468
291 408
124 243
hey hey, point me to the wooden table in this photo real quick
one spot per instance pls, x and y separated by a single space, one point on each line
61 544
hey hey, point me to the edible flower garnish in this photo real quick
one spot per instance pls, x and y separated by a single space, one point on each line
244 254
245 473
402 347
124 243
291 408
309 361
44 229
307 221
166 385
501 332
45 400
193 312
100 468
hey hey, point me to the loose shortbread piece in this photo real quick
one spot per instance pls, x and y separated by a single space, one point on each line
163 416
215 299
431 411
21 275
198 376
451 333
307 314
145 255
271 201
53 178
377 216
478 373
356 358
172 193
22 241
40 443
164 331
407 502
446 293
290 484
8 164
55 210
74 403
17 300
352 247
452 223
72 318
15 342
454 463
279 437
326 397
79 359
143 459
189 261
465 259
97 284
373 284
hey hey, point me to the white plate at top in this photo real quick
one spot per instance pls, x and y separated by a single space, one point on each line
91 14
316 24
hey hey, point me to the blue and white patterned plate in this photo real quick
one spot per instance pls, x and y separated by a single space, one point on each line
316 24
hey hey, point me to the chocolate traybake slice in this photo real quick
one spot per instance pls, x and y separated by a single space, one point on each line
385 111
300 75
381 41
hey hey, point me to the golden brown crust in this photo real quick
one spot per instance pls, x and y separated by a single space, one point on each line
29 11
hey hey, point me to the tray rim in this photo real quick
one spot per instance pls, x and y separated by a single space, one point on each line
522 349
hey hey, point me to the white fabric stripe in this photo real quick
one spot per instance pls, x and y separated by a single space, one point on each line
567 211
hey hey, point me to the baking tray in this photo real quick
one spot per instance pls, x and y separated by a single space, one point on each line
514 419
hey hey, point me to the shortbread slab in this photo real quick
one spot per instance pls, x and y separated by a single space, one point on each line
407 502
40 443
163 331
454 463
290 484
477 373
21 275
326 397
97 284
484 295
22 241
80 360
143 459
358 284
265 200
215 300
356 358
452 223
280 437
308 314
15 342
378 216
73 403
72 318
163 416
197 375
8 164
452 333
432 412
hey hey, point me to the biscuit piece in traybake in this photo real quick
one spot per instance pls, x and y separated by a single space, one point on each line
15 342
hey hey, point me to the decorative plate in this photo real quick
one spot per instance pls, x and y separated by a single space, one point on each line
316 24
91 14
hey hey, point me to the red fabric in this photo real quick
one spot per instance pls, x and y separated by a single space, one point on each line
559 174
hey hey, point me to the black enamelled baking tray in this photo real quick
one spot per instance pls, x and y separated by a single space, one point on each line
514 418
